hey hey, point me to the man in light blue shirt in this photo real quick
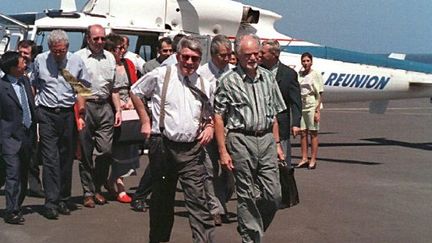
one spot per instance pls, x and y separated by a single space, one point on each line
55 99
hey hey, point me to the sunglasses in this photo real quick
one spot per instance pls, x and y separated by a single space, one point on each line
166 50
193 58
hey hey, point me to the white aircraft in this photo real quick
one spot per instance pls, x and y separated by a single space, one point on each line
348 76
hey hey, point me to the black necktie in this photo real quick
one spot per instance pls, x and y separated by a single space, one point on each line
207 111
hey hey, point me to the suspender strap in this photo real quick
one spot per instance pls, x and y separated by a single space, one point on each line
202 84
162 105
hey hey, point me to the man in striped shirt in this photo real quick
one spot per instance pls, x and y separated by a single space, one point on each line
247 100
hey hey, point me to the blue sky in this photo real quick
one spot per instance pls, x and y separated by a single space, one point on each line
372 26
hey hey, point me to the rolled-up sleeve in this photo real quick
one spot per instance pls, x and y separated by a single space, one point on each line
221 98
146 85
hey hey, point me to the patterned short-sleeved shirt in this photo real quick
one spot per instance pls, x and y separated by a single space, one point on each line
246 103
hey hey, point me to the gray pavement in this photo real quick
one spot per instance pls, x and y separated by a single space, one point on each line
373 183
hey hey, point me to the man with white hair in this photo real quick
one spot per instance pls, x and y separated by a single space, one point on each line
55 98
247 101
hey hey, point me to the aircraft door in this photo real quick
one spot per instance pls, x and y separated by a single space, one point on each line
11 32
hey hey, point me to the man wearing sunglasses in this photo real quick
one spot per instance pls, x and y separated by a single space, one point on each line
99 118
182 124
164 50
248 100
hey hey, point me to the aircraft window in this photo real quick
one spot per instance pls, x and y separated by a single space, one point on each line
133 46
146 46
75 40
3 44
145 51
13 42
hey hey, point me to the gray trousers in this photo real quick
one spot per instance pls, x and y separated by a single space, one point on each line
169 162
220 182
257 183
97 134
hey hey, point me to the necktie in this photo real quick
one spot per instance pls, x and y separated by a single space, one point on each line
77 86
207 111
25 106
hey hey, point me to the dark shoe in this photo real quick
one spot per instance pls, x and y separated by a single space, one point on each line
63 209
72 206
303 164
312 166
99 199
89 202
217 219
13 218
38 194
50 213
138 205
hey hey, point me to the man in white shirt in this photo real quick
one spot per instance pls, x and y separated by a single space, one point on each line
176 140
136 59
173 58
99 118
220 183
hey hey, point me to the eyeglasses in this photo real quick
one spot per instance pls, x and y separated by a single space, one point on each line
98 38
59 51
193 58
224 55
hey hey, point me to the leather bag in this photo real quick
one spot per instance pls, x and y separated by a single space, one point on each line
289 190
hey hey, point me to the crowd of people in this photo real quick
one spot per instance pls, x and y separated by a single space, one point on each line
216 128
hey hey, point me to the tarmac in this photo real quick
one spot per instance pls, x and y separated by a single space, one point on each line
373 183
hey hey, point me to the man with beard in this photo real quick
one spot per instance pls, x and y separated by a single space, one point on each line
248 100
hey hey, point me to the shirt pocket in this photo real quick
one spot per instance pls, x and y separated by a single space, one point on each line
269 108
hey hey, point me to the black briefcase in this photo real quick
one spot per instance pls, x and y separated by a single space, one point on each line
289 190
130 130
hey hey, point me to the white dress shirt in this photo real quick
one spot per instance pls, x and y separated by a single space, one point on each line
136 59
182 108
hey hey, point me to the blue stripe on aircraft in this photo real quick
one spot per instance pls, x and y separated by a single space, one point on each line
357 57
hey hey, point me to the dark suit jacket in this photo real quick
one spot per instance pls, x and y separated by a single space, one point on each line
287 80
12 131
